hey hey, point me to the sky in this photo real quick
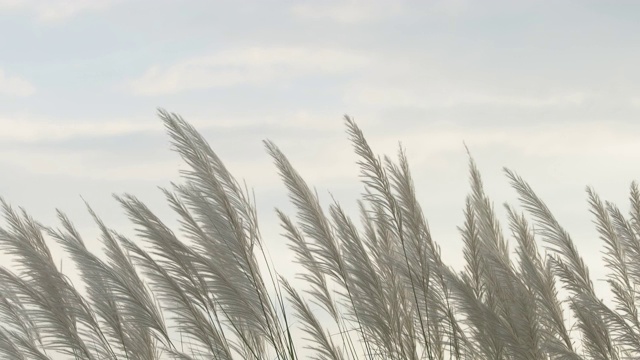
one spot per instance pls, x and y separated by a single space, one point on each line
549 89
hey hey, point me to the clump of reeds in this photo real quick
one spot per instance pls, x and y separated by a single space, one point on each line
378 290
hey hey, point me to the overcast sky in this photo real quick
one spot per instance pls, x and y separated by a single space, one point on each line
550 89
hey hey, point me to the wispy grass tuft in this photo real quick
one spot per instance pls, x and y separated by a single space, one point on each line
374 287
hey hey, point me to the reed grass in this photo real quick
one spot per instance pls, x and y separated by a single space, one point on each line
211 292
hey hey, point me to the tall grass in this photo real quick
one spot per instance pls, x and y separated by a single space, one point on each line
374 290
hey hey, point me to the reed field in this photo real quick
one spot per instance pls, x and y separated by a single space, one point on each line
375 287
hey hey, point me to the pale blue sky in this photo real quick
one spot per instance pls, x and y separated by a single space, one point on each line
550 89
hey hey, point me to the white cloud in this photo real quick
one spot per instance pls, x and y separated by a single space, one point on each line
16 86
300 119
427 145
436 96
30 129
432 145
353 11
581 141
107 164
56 10
88 165
424 82
257 65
